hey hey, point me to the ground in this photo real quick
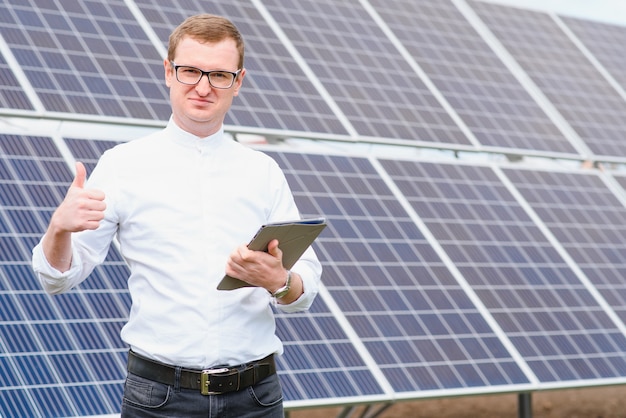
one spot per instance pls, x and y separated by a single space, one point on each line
601 402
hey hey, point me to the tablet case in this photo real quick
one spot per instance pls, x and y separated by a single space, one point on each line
294 237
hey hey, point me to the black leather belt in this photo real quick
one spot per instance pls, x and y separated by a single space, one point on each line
209 381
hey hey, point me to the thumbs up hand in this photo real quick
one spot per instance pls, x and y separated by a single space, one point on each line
82 208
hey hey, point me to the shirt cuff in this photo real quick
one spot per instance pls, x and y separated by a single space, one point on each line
52 280
310 284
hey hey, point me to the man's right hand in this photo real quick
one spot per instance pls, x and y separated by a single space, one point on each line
81 209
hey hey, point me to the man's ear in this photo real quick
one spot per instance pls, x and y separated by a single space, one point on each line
239 81
169 72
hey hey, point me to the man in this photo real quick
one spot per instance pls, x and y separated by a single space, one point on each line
182 203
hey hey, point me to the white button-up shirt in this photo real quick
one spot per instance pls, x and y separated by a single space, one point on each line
179 205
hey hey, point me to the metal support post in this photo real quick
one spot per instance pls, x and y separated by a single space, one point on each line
525 405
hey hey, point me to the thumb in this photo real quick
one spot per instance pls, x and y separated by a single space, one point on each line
80 176
272 248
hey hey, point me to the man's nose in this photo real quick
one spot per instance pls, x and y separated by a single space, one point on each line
204 85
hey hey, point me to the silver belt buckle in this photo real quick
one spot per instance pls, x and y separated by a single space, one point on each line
205 380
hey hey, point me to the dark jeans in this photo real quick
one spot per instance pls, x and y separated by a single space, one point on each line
144 398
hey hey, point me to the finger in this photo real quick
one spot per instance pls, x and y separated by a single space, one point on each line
80 176
91 219
91 225
233 268
94 215
244 254
95 194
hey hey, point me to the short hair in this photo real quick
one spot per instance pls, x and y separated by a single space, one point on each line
206 28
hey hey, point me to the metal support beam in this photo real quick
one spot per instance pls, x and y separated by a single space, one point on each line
346 412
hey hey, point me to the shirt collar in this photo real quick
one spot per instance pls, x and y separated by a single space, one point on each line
189 140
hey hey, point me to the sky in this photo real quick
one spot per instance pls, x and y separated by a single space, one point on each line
611 11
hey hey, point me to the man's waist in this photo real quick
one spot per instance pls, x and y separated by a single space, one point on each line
208 381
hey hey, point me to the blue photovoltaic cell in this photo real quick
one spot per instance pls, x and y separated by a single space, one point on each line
557 326
412 316
484 93
587 220
601 39
276 94
61 355
563 73
362 70
86 56
12 96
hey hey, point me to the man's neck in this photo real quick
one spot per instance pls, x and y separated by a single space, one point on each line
201 130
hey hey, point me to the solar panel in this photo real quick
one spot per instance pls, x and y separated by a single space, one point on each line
415 320
601 39
440 279
585 99
12 96
373 85
73 339
550 316
491 102
86 57
60 355
320 361
587 219
276 92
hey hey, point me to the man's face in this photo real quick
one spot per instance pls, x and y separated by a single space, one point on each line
200 109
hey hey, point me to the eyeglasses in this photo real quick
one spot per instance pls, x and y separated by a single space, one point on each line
217 79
